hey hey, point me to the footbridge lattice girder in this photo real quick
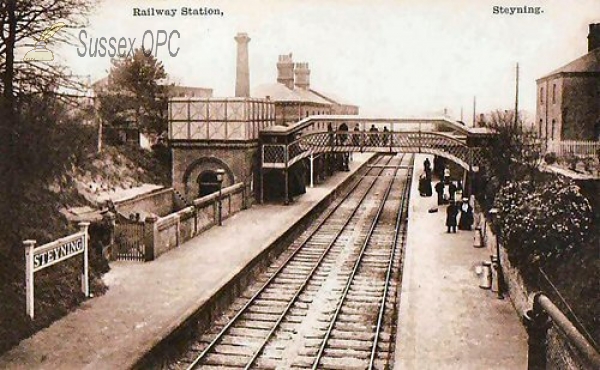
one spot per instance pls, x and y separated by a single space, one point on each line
442 144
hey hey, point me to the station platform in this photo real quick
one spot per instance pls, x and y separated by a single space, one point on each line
146 301
445 321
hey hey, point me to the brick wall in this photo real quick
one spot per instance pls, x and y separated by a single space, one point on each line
581 107
239 162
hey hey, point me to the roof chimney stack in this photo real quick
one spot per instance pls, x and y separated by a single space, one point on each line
594 37
285 70
302 74
242 77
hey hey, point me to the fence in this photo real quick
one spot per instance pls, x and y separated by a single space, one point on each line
578 148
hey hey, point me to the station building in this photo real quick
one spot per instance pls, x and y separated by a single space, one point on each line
568 99
209 134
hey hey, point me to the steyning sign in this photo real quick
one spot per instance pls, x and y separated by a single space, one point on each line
49 254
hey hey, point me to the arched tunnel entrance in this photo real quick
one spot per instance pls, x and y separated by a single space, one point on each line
207 183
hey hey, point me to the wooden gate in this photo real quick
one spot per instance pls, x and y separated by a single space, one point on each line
129 240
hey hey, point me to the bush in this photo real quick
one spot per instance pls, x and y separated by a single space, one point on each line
550 158
542 222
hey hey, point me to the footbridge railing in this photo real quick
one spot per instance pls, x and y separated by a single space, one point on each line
282 146
284 155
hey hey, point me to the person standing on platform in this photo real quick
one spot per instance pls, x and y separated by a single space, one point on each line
452 191
345 155
451 213
427 186
422 185
466 215
427 167
439 189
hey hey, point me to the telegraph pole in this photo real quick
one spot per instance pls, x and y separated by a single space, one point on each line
517 97
474 114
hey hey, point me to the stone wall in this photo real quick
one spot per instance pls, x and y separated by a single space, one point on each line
169 232
158 202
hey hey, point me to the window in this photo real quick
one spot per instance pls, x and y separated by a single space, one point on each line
552 132
553 93
540 128
541 95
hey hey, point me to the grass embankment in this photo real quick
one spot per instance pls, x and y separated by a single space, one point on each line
57 288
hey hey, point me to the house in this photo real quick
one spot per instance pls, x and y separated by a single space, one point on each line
293 96
568 99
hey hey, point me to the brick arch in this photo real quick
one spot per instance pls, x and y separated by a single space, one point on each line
200 165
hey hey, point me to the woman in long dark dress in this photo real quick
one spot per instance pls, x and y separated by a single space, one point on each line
439 189
451 213
466 215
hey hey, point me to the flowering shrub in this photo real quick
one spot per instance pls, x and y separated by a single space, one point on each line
543 221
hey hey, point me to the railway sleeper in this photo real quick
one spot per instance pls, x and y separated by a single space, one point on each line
349 343
252 324
269 317
351 332
232 350
361 353
334 363
248 332
217 359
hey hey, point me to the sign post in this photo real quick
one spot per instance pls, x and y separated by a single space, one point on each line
29 246
49 254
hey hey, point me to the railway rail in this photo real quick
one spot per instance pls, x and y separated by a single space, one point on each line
328 301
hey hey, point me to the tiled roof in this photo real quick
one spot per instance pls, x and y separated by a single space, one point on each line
590 62
332 98
280 92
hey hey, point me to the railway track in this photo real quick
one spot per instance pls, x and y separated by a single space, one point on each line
328 301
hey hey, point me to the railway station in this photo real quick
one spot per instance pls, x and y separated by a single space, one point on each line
301 235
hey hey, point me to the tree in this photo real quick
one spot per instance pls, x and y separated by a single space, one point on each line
21 23
134 93
514 152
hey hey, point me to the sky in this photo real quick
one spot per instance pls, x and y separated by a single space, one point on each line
392 58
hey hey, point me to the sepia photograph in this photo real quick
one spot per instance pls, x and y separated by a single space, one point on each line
286 184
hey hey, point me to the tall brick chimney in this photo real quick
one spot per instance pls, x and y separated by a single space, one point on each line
242 77
594 37
302 74
285 70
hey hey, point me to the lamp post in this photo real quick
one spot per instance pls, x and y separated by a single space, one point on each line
220 174
497 230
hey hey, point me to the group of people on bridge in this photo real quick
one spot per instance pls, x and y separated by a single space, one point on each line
373 138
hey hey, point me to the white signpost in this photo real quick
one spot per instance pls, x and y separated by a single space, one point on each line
49 254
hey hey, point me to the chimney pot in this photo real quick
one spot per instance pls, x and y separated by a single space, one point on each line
302 75
285 70
594 36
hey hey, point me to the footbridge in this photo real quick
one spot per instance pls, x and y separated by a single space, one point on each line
282 147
